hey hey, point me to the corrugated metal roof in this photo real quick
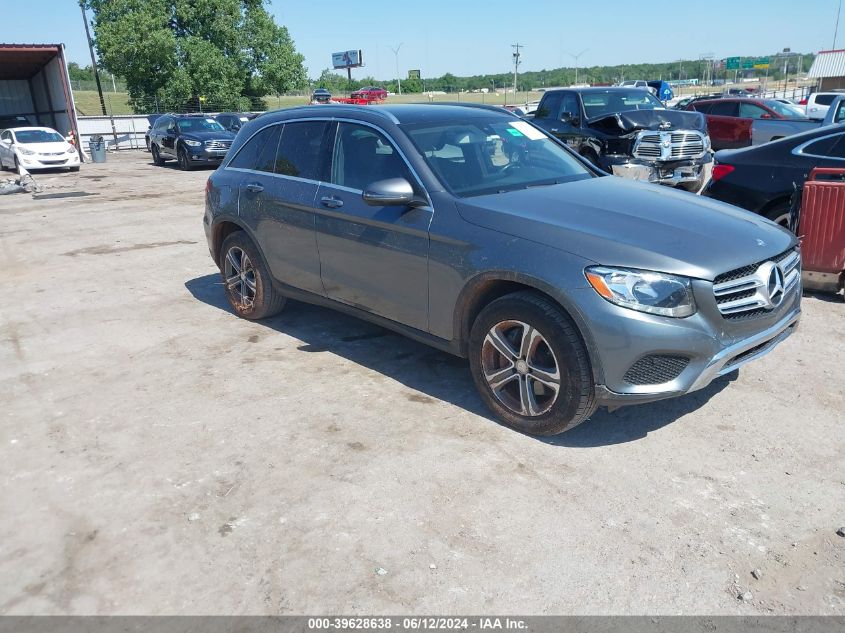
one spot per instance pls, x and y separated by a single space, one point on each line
828 64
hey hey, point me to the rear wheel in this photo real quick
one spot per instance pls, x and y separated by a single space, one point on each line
157 159
779 214
530 365
246 279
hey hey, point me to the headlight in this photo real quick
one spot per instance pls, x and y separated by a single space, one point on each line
25 151
643 290
71 149
191 143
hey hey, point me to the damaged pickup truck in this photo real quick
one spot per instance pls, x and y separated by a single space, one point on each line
628 132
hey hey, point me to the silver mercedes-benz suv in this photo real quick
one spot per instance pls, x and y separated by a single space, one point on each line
472 230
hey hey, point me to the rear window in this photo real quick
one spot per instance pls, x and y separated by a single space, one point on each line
823 99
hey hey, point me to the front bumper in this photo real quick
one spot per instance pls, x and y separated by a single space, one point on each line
30 162
671 173
711 345
205 156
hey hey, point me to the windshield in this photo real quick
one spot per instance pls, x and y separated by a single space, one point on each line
38 136
186 126
600 103
474 158
786 110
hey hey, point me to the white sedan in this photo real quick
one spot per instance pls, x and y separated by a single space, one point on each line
36 148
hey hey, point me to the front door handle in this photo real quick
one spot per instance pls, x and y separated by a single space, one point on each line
255 187
331 202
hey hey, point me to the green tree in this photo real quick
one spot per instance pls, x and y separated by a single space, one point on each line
186 53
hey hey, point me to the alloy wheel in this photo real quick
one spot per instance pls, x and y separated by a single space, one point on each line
240 277
520 368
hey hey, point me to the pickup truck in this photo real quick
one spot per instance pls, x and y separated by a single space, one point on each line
628 132
735 123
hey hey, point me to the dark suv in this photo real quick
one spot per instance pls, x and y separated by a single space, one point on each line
190 139
471 230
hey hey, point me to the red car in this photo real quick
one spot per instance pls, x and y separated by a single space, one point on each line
370 93
729 121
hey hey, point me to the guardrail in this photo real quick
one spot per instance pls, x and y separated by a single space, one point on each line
130 130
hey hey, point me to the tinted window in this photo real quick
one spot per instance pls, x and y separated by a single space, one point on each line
363 155
723 108
825 99
601 103
162 123
826 146
751 111
267 158
299 151
702 107
38 136
250 154
550 106
186 126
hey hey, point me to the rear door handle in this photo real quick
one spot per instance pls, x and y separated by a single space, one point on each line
331 202
255 187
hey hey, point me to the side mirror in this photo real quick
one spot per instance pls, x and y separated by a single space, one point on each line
390 192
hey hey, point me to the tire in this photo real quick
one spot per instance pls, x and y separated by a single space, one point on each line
524 400
157 159
255 300
779 214
591 157
16 166
184 161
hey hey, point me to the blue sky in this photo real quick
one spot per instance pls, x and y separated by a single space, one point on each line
466 38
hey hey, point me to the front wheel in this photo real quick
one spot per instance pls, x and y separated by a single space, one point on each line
157 159
184 161
779 215
246 279
530 365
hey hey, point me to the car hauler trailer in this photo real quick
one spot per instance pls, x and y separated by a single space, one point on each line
34 84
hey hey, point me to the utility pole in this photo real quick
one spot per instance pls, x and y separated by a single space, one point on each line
96 72
396 54
836 29
516 55
576 58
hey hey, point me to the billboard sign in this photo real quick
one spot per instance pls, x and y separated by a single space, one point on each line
347 59
414 74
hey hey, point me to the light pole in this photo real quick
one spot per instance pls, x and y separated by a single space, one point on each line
516 48
396 54
576 58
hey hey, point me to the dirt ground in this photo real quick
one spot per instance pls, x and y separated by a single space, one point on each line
162 456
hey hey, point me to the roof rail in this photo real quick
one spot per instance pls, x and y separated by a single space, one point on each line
480 106
344 106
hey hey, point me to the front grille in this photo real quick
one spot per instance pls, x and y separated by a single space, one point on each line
669 145
218 144
655 369
743 293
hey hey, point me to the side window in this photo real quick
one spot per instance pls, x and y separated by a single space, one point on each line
5 136
550 106
299 151
751 111
161 124
363 155
825 100
257 148
723 108
171 126
825 147
570 105
704 108
840 112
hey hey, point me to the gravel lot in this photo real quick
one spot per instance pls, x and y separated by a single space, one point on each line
161 455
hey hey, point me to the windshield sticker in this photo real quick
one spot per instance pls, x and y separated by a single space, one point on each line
526 129
514 132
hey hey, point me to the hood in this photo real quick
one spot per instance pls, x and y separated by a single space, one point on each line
619 222
209 135
632 120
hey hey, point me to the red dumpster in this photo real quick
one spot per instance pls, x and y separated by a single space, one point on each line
822 229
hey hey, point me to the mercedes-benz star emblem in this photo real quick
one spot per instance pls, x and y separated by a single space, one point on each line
775 286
